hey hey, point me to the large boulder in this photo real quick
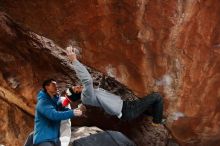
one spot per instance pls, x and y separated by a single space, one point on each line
168 46
26 60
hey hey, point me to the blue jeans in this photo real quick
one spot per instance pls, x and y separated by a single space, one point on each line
29 142
133 109
48 144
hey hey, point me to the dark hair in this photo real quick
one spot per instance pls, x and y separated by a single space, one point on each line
74 96
46 83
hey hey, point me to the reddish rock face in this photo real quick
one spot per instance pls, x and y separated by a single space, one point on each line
26 60
14 124
169 46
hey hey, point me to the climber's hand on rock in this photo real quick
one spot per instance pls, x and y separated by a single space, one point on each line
70 52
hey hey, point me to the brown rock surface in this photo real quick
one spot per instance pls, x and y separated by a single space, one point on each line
27 59
15 124
170 46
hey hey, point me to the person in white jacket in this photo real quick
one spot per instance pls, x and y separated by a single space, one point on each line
65 127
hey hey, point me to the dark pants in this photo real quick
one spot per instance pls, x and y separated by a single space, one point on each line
133 109
49 143
46 144
29 142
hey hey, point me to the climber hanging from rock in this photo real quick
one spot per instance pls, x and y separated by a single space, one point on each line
111 103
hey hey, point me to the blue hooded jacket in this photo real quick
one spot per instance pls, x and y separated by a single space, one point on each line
48 117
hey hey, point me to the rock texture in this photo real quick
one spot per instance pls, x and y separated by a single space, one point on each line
14 124
170 46
27 59
80 132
